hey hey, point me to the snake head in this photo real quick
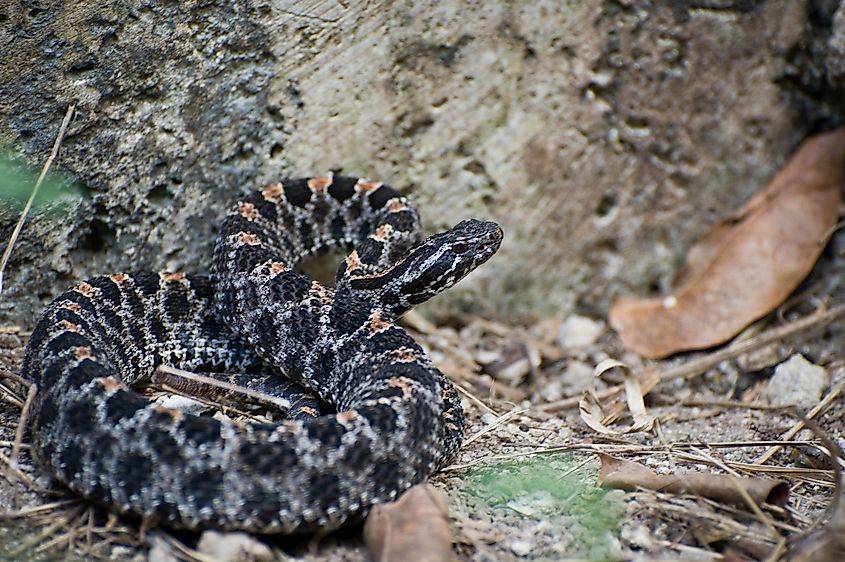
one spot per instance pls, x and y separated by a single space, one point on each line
445 258
433 265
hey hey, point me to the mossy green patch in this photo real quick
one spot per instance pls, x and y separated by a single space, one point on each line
556 489
17 181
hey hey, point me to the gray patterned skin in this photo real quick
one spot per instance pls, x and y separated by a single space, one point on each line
397 418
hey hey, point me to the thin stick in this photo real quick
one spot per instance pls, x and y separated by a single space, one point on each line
800 425
19 226
696 367
648 449
475 399
170 378
16 447
499 421
14 470
762 517
732 404
36 510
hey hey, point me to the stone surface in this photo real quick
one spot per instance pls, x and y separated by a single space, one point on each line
797 382
836 49
604 136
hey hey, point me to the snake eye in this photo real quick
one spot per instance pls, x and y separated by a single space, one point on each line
460 247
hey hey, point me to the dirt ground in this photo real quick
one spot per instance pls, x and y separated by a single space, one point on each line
524 486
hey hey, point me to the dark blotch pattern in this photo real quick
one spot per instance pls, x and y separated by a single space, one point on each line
123 404
382 195
297 192
342 188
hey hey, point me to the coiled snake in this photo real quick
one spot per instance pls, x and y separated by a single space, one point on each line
393 418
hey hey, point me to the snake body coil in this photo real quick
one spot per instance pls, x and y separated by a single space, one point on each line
393 417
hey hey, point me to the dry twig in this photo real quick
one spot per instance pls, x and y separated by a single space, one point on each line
19 226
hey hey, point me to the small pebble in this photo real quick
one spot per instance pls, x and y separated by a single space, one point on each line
521 547
233 547
797 382
183 404
160 552
579 332
488 418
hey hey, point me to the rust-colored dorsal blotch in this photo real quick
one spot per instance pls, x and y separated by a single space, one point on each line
321 293
248 210
347 416
401 383
246 238
319 183
111 384
175 414
404 355
362 186
69 326
85 290
83 352
175 277
72 306
377 323
276 267
396 205
353 262
383 232
272 192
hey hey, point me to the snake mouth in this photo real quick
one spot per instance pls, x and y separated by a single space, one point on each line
498 234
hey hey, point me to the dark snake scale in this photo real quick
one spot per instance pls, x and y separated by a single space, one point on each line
389 418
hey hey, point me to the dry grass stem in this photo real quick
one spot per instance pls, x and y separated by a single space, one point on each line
499 421
38 510
22 419
189 553
19 226
801 424
477 401
61 520
14 470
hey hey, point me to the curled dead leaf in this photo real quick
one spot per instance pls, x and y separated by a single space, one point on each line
414 528
746 266
597 417
725 488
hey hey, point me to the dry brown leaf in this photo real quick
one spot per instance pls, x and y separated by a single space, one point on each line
732 546
629 475
414 528
746 266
